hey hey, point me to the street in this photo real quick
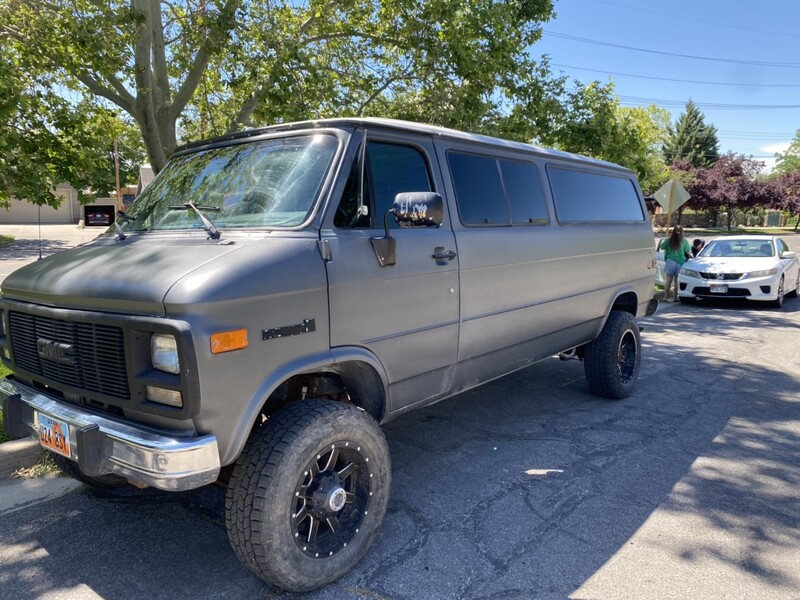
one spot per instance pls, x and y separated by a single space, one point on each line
527 487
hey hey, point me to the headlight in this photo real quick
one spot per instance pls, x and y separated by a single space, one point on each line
690 273
164 353
772 271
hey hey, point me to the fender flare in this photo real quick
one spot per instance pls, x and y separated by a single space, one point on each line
320 362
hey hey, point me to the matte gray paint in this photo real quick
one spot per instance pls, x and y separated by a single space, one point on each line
429 328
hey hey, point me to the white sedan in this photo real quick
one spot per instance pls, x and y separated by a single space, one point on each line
754 267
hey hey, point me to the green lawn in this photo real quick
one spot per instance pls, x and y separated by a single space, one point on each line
5 240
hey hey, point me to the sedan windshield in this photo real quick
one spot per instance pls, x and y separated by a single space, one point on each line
738 248
269 183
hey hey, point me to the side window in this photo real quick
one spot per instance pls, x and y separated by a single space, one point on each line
782 247
479 190
390 170
583 196
524 192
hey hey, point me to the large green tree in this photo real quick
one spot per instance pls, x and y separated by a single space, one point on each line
691 139
204 67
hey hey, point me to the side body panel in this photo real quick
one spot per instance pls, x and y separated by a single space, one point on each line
530 291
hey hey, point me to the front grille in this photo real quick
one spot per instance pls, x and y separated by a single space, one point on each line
724 276
95 354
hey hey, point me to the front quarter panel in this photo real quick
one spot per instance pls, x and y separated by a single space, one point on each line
271 285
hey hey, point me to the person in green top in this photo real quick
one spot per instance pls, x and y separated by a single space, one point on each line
676 252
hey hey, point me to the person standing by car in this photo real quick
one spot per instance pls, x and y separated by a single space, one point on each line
676 252
697 245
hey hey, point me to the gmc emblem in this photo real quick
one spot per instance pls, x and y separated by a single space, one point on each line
55 352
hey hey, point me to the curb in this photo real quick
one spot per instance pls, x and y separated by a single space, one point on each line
18 454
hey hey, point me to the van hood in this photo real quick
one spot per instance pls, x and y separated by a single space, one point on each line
131 276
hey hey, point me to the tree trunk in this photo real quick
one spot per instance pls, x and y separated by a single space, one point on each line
797 222
730 216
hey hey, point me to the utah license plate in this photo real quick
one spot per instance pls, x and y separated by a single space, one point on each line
719 288
53 434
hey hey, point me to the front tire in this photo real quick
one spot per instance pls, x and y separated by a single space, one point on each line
778 302
612 360
308 494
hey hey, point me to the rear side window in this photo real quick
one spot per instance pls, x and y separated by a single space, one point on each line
479 190
581 196
491 191
524 192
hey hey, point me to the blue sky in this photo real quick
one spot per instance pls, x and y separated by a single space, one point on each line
758 44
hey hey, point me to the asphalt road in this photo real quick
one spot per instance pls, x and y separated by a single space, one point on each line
527 487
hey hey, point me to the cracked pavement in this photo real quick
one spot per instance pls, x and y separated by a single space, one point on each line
527 487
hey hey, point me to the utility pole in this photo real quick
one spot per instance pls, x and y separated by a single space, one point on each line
116 172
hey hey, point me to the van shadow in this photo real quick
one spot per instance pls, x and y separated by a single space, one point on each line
523 488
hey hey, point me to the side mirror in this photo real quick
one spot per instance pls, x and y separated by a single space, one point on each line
788 254
418 209
410 209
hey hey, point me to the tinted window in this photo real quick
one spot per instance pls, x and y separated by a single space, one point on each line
581 196
524 192
390 170
479 191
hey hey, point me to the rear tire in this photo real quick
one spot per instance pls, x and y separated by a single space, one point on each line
308 494
796 291
104 482
612 360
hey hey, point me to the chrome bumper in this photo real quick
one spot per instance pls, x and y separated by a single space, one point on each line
102 445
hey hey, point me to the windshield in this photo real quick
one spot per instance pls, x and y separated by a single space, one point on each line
270 183
739 248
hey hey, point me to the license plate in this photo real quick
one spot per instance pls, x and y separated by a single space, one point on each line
53 434
719 288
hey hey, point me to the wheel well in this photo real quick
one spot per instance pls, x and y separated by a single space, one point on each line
626 302
352 382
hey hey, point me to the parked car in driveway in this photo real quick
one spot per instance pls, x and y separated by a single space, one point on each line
98 218
753 267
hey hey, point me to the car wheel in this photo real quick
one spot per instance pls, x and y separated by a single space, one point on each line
778 302
687 299
308 494
612 361
104 482
796 291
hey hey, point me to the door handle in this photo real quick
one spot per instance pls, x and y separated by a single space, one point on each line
439 253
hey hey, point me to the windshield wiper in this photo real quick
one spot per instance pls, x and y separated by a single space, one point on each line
121 234
213 232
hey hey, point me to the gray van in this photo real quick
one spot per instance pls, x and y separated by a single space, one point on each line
274 295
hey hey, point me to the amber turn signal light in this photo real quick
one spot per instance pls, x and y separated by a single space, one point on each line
226 341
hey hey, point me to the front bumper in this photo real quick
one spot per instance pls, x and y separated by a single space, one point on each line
760 288
102 445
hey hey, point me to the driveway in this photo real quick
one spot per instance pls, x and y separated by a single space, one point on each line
527 487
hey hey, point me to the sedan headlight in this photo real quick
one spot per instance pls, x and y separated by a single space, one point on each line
772 271
164 353
690 273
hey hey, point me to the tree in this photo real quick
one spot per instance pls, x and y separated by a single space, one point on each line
790 160
691 139
730 183
46 139
212 66
589 120
784 191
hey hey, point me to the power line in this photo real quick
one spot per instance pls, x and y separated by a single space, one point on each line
760 63
638 101
705 22
780 85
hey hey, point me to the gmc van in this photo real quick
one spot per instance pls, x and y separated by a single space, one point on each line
274 295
